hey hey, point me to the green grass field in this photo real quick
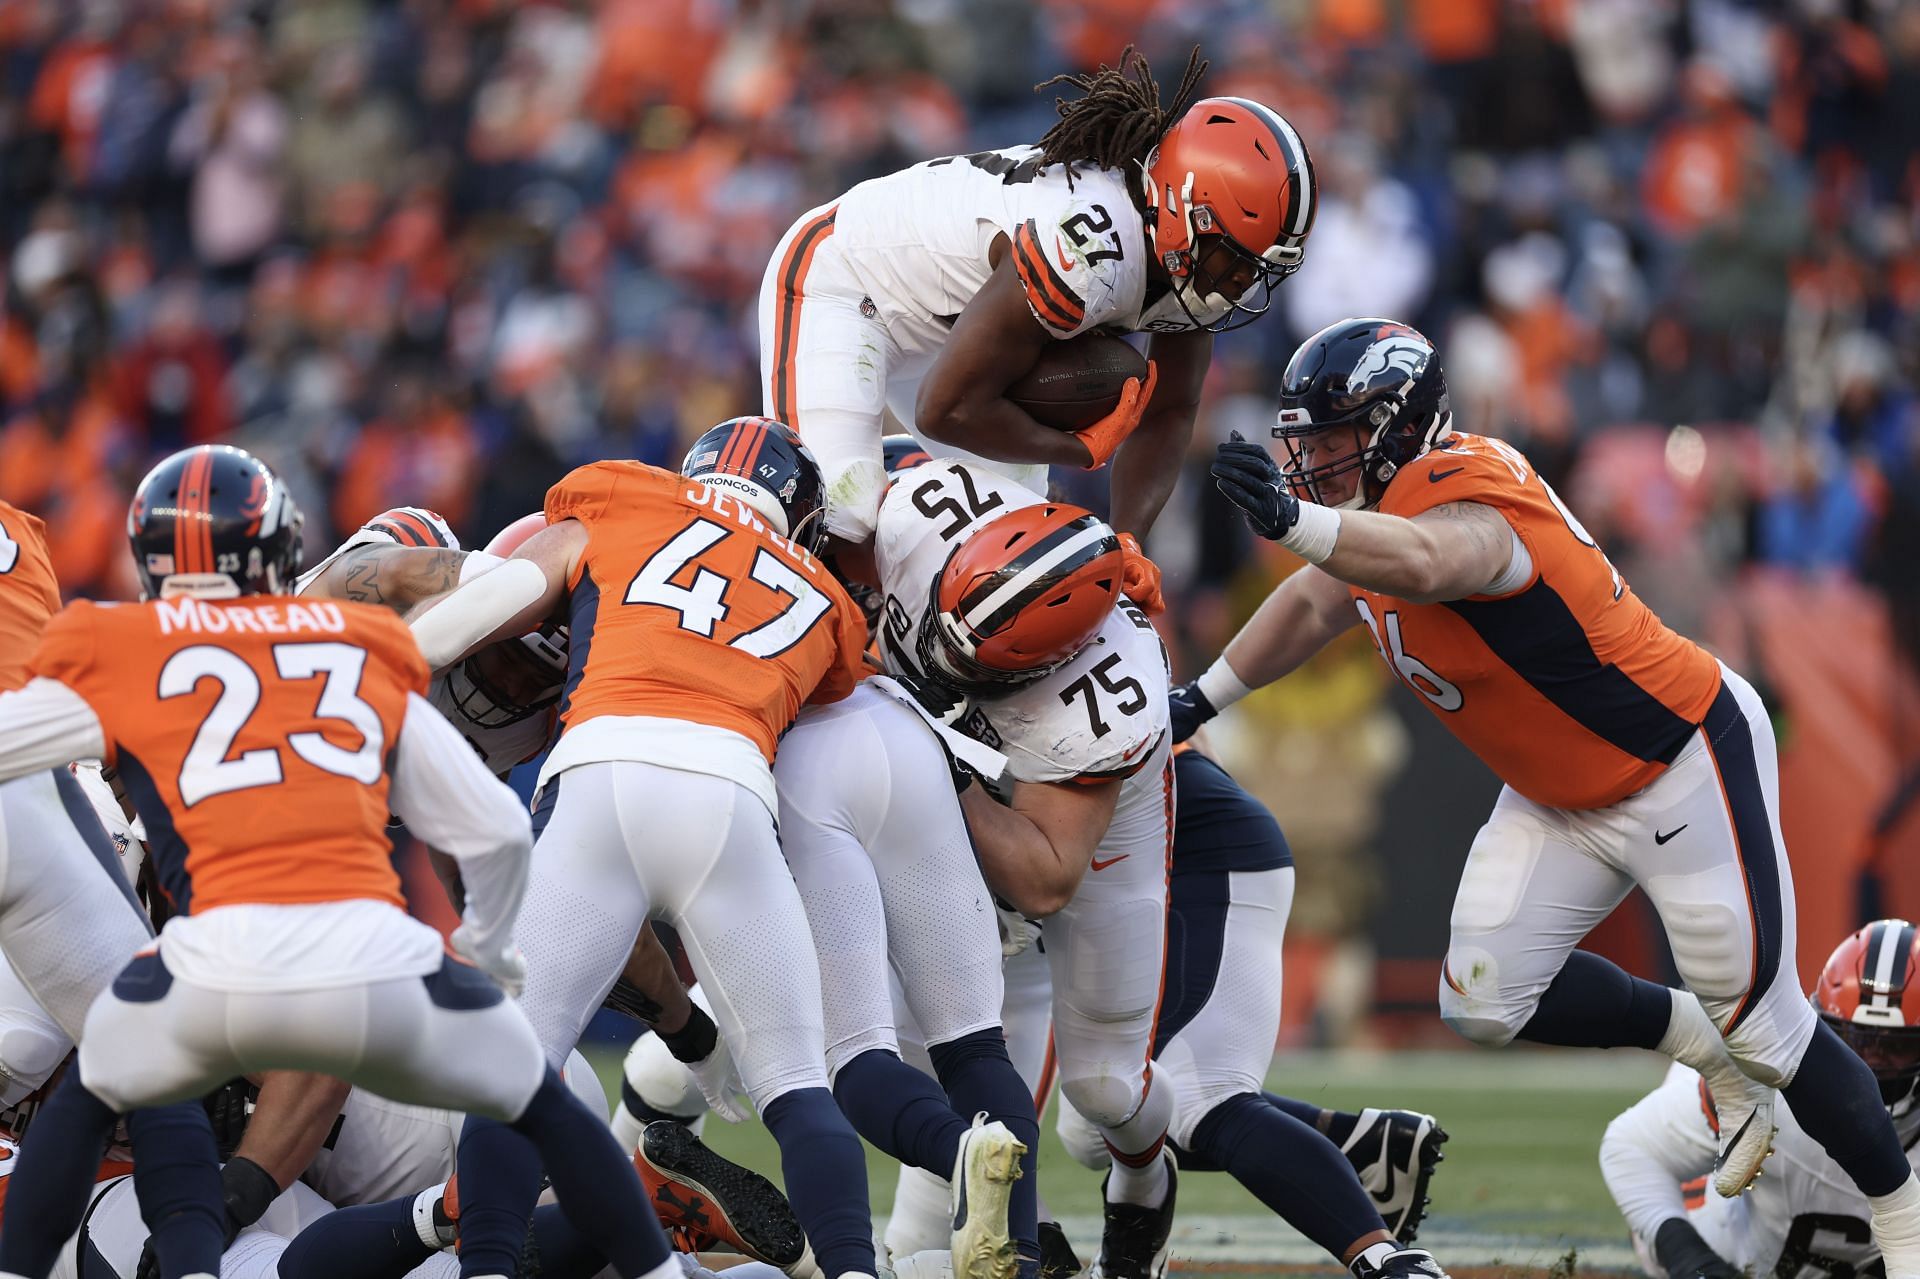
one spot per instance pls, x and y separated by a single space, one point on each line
1520 1186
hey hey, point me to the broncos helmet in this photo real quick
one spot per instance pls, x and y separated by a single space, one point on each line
1361 398
1869 994
213 521
902 453
765 465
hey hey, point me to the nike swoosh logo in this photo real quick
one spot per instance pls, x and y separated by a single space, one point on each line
1726 1147
1066 262
1101 863
1434 477
1658 838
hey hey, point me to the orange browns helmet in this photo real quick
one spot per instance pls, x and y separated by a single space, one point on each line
504 683
414 526
1869 993
1232 168
1020 597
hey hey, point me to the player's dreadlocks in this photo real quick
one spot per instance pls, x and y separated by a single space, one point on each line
1119 118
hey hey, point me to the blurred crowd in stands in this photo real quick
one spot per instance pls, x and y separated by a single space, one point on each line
437 252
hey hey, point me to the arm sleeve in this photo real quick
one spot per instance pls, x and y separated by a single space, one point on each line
475 609
452 803
1652 1148
48 726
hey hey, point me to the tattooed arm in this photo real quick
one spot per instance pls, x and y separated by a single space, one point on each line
395 577
1452 551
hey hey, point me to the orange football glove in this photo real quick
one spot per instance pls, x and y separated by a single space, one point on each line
1104 437
1140 576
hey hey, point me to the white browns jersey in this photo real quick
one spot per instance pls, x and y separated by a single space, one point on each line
1804 1218
1100 715
917 241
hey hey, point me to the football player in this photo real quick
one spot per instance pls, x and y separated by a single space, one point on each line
1806 1216
929 291
1008 608
264 742
59 865
701 619
1630 755
1229 895
880 851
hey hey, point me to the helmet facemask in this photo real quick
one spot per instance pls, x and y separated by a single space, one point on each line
947 658
479 690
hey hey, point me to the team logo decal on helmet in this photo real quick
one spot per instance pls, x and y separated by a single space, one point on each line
1361 399
1019 598
1236 170
213 521
765 465
1869 994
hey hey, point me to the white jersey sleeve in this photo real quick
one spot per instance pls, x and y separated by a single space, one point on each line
1662 1141
1071 256
1097 716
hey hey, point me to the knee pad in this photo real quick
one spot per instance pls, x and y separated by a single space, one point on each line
660 1082
1472 1003
1106 1101
1769 1043
1082 1140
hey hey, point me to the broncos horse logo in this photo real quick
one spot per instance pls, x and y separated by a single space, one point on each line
1393 362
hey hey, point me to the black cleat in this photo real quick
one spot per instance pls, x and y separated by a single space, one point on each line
1058 1260
1133 1242
706 1201
1395 1152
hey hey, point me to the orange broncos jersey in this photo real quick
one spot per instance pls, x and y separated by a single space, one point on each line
253 735
1569 687
685 606
29 595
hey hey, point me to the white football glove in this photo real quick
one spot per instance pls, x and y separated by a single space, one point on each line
1017 932
720 1083
503 963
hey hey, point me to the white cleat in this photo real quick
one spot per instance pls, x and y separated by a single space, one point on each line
983 1175
932 1264
1745 1109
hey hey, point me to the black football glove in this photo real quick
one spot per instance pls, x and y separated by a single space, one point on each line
1187 709
1252 481
1685 1255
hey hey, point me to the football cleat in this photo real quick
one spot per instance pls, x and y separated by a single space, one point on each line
984 1171
1134 1240
1058 1260
1395 1152
1745 1109
705 1201
1401 1263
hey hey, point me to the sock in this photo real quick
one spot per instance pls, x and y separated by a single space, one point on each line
1139 1174
977 1074
1291 1167
47 1192
596 1185
176 1178
1837 1100
370 1241
1336 1125
922 1216
1896 1228
825 1171
499 1180
632 1115
901 1111
1594 1003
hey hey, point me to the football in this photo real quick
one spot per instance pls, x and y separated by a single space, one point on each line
1077 382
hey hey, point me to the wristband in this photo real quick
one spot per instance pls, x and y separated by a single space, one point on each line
1313 533
1220 685
694 1041
248 1189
